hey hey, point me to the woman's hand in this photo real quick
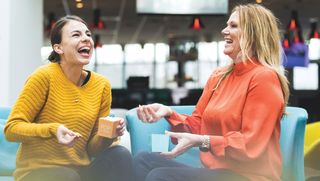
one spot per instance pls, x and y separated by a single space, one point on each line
185 142
121 127
67 137
153 112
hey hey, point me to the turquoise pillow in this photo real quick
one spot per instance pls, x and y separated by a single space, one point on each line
8 152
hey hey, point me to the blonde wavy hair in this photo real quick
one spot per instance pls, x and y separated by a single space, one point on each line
260 38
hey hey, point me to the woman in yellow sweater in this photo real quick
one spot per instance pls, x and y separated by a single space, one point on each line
236 122
55 116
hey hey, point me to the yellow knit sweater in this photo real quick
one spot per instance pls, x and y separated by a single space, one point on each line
48 100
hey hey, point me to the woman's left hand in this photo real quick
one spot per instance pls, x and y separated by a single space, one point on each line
185 142
121 127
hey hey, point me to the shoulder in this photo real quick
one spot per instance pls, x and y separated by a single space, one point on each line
46 69
100 79
41 73
264 73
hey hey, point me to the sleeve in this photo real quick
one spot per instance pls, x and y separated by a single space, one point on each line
261 115
96 143
21 125
194 120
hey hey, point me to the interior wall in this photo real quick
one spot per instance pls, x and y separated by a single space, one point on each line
21 42
4 47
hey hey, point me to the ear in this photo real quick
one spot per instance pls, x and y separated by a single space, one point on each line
57 48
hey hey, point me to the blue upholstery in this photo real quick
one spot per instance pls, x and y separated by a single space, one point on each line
291 139
292 143
7 149
140 135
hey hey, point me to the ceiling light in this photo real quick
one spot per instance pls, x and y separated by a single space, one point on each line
79 5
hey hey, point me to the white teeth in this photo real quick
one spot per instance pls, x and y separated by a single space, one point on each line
228 41
84 49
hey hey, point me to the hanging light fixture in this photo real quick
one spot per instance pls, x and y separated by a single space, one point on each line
97 41
314 41
97 22
51 21
313 29
293 43
196 24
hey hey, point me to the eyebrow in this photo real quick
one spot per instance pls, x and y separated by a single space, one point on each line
78 31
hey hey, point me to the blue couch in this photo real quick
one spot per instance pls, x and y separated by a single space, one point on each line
291 139
7 149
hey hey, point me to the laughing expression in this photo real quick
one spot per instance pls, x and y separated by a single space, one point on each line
231 34
76 44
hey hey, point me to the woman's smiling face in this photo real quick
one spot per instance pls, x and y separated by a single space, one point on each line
231 35
76 44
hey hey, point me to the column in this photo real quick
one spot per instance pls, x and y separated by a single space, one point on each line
21 39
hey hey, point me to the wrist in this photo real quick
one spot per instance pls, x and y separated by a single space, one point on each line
205 143
169 112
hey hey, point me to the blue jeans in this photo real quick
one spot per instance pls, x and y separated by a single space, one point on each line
154 167
113 164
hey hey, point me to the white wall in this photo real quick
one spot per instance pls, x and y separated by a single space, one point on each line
4 47
21 39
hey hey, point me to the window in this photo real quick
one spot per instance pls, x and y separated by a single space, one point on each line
306 78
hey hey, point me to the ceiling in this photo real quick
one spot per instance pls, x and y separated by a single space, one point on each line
123 25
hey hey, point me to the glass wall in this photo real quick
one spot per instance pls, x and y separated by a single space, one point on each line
118 63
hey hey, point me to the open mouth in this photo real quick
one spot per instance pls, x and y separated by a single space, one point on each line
227 40
84 51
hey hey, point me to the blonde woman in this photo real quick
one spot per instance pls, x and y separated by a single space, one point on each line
236 122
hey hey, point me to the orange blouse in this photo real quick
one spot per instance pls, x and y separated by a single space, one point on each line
242 118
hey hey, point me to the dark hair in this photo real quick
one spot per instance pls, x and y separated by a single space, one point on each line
56 34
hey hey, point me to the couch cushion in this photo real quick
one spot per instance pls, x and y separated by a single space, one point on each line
7 153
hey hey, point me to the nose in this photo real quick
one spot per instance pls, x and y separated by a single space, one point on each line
225 31
85 38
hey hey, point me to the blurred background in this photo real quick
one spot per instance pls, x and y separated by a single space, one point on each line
156 50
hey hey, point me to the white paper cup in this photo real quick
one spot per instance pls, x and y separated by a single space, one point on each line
159 143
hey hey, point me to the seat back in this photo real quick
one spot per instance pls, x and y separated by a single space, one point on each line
291 139
312 135
7 149
140 135
312 146
291 142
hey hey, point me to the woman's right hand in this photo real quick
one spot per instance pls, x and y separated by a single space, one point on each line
153 112
67 137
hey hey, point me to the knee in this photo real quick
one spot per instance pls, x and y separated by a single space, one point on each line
68 174
117 152
73 176
140 158
157 174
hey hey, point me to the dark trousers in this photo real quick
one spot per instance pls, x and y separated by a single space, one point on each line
114 164
154 167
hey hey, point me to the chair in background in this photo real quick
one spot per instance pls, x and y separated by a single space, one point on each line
125 139
312 151
7 149
291 139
